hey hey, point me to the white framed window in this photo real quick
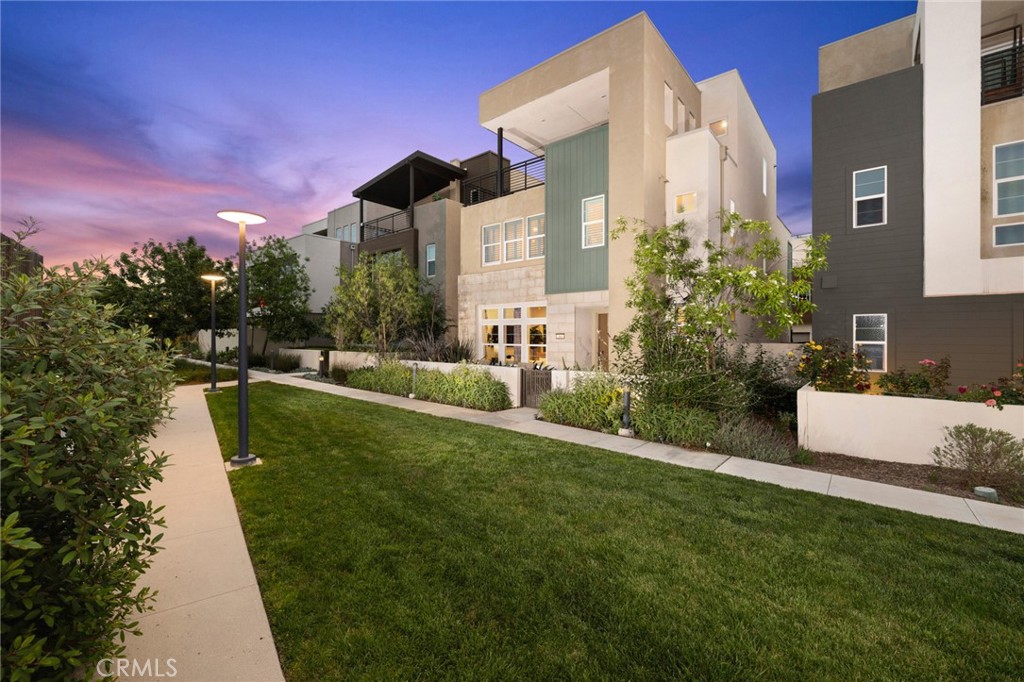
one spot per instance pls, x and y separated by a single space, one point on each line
535 229
339 232
512 333
719 127
681 120
491 240
764 176
669 108
431 260
593 222
1008 235
513 240
686 203
869 339
870 191
1008 175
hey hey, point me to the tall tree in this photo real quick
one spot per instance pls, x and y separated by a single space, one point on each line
158 285
278 290
380 301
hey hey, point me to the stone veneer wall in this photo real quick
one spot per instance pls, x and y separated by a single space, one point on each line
519 285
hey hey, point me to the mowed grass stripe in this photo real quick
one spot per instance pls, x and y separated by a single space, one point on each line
395 545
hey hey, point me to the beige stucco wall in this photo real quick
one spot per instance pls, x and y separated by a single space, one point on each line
866 55
321 257
519 205
1000 123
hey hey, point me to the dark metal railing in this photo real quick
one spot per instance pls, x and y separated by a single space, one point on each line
1002 71
385 225
515 178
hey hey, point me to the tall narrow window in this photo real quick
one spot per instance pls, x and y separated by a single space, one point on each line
869 197
593 222
869 336
669 106
1009 179
431 260
764 177
340 233
514 240
491 239
535 228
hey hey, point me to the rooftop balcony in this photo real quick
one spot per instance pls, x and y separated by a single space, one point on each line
515 178
1002 66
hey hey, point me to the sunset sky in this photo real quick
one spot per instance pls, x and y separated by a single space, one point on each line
125 121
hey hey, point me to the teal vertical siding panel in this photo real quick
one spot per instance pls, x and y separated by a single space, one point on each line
576 169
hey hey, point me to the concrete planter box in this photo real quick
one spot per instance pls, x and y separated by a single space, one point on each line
890 428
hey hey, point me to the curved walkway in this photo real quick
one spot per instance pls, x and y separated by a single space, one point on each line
209 616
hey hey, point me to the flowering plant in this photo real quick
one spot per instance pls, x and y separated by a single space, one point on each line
1005 391
833 366
931 378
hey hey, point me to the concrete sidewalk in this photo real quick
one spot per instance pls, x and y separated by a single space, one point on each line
209 614
523 420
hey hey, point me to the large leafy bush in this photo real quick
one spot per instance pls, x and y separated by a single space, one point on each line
990 456
80 396
595 403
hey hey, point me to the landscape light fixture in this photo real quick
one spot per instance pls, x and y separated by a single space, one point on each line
213 278
242 218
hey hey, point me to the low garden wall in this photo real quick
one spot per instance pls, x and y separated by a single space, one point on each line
510 376
890 428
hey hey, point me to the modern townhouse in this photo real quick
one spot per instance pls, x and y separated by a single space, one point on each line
918 149
523 252
619 129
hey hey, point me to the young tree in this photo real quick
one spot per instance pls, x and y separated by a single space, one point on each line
278 291
680 291
379 302
158 285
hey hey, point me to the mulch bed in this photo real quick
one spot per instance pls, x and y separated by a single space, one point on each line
919 476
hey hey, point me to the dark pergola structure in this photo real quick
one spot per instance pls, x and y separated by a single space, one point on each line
415 177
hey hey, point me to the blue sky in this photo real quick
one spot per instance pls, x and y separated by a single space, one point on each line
124 121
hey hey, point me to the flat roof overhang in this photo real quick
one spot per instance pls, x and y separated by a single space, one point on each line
391 188
556 115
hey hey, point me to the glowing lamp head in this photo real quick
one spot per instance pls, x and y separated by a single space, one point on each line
213 277
237 217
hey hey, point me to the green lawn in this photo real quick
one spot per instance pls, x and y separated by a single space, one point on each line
393 545
186 372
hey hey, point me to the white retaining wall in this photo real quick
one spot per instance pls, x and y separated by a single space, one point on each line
890 428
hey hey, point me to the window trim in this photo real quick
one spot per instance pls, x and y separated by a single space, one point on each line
764 176
524 323
543 236
884 343
485 244
995 185
884 195
678 203
584 222
430 261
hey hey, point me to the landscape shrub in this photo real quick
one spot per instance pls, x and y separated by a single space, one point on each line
1005 391
595 403
391 377
287 363
931 378
340 374
769 381
79 398
464 386
687 426
186 372
833 366
753 438
992 457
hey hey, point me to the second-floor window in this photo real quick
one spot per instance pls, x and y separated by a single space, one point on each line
1009 179
491 239
869 197
431 260
535 229
514 240
593 222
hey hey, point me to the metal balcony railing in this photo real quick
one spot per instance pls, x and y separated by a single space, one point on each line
385 225
1002 70
515 178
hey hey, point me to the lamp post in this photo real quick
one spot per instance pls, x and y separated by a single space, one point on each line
213 278
243 218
